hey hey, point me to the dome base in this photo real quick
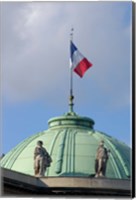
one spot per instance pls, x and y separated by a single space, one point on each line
17 184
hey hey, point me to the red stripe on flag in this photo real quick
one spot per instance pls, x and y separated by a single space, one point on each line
82 67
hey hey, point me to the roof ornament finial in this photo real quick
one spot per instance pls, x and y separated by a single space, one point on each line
71 98
71 34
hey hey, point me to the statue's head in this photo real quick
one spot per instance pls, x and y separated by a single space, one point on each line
40 143
101 143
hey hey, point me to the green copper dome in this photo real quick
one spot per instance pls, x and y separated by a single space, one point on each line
72 142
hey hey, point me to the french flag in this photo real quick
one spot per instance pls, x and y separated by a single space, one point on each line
78 62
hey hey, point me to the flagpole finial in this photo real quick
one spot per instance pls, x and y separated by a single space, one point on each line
71 34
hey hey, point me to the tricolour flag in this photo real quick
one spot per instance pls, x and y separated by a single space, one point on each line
78 62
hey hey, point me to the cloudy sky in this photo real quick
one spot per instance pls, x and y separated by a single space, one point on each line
35 66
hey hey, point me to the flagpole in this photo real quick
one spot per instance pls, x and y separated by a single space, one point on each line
71 98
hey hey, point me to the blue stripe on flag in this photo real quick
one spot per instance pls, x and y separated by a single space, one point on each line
73 48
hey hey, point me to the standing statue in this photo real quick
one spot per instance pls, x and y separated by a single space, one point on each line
42 159
102 156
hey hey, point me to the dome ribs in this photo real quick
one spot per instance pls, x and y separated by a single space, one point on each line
60 153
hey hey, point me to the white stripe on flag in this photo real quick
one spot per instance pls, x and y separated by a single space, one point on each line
77 57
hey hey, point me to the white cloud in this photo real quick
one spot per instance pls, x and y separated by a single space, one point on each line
35 49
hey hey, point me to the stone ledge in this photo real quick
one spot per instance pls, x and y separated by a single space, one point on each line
23 182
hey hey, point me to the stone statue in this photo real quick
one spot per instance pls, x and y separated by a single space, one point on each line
42 159
102 156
